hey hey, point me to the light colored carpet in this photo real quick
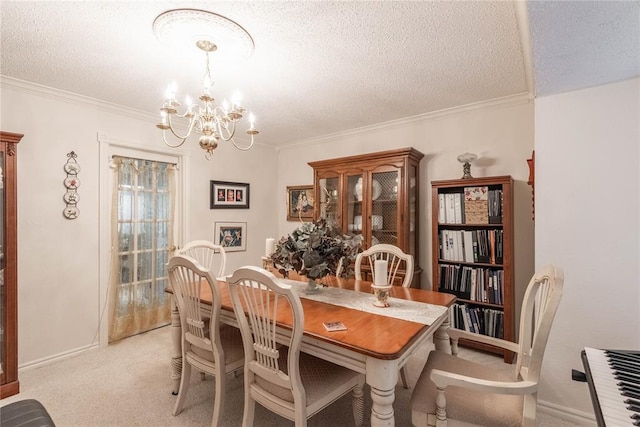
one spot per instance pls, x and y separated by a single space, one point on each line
129 384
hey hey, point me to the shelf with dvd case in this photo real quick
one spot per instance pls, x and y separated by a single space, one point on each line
472 254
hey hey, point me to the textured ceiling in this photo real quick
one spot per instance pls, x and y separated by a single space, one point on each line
578 44
318 67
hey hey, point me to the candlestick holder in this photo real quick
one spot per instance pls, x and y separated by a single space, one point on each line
267 263
382 295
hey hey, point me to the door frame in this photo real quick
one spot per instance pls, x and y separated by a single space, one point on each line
108 148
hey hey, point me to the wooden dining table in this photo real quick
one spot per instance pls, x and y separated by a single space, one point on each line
373 344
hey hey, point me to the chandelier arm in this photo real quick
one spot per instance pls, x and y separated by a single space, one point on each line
242 148
182 137
164 138
230 133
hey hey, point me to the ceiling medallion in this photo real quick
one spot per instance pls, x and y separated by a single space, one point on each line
185 27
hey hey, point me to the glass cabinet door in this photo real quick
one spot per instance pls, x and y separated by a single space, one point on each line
329 200
385 207
356 224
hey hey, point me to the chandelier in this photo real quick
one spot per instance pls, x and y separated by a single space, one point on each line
213 123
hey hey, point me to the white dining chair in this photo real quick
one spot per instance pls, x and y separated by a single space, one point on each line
399 266
281 378
454 391
209 255
207 345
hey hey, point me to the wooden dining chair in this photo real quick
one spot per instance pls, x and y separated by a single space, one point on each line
208 254
452 390
281 378
207 345
400 266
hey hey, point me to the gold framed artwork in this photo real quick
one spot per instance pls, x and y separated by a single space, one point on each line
300 202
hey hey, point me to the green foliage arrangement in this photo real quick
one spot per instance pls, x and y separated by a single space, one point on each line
315 250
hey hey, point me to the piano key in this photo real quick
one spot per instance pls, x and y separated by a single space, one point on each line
625 367
611 402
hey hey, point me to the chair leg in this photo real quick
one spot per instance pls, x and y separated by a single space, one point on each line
218 404
403 377
249 408
184 386
358 404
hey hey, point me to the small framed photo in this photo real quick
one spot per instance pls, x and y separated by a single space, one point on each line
299 202
232 236
229 195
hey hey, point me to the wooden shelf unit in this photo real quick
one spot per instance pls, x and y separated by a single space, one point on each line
9 384
505 268
375 195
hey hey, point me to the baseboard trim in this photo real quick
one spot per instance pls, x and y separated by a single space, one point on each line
568 414
57 357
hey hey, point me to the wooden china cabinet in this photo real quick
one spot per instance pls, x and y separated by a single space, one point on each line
375 195
9 384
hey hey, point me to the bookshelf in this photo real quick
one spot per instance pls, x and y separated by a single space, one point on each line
472 255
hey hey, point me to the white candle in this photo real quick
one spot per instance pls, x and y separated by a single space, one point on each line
270 246
380 273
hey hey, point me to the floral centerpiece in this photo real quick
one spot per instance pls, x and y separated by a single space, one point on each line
315 250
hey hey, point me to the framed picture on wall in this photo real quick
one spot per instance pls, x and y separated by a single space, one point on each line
300 202
229 195
232 236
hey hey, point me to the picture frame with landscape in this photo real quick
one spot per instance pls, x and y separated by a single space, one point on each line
300 202
232 236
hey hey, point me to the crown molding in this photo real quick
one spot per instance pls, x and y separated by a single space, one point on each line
520 98
70 97
24 86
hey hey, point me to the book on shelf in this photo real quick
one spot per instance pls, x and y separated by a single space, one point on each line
450 208
441 209
479 320
458 245
474 238
458 209
468 246
495 206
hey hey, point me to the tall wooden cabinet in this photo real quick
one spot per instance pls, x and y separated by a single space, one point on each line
472 251
9 384
374 195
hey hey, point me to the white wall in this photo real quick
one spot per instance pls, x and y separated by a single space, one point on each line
58 263
500 133
588 222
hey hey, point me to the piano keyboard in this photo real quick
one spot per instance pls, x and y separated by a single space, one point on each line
614 384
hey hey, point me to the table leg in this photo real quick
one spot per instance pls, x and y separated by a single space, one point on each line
382 377
176 347
441 339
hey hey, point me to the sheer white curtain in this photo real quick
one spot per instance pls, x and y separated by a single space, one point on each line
142 235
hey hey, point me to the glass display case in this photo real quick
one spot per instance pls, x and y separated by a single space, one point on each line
373 195
9 384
